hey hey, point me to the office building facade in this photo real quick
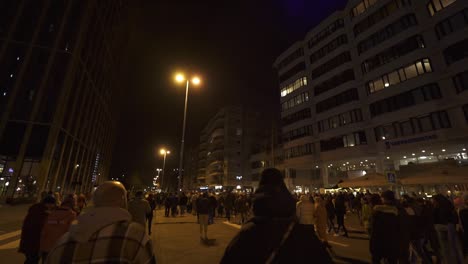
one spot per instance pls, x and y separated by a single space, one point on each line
374 87
58 62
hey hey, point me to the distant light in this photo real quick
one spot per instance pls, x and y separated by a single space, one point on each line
196 80
423 151
365 160
364 172
316 167
4 94
1 179
383 138
404 157
34 182
387 84
11 75
432 153
331 165
464 149
238 187
388 157
20 180
7 183
413 154
77 166
344 164
179 77
443 150
10 170
17 58
423 157
347 162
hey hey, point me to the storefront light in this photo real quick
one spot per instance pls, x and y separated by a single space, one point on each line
423 157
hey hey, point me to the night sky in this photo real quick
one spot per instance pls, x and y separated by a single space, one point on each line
231 46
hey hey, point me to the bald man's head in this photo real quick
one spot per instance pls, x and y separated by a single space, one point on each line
110 194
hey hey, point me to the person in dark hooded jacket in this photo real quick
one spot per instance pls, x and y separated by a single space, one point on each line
273 234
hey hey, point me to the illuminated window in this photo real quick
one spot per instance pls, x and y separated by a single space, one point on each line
435 6
395 77
293 86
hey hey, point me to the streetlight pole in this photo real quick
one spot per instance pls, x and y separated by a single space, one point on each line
164 153
180 78
181 158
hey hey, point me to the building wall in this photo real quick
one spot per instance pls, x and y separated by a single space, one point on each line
57 103
376 86
225 145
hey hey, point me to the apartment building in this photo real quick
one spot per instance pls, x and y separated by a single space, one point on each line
225 146
376 86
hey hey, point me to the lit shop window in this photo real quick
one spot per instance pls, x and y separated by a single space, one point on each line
401 75
293 86
435 6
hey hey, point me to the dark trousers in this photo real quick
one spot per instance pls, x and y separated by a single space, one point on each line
167 209
149 219
228 214
331 224
340 221
32 258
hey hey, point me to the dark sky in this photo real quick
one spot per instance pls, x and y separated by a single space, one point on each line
230 44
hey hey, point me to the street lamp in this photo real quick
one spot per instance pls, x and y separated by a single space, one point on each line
180 78
163 152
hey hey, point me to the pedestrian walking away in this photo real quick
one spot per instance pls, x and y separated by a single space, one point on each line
105 233
204 209
139 208
274 235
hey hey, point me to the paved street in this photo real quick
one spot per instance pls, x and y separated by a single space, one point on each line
177 240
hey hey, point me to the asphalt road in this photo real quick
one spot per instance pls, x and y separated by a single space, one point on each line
177 240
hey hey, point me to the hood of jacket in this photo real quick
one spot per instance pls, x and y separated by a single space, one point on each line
272 202
95 219
388 209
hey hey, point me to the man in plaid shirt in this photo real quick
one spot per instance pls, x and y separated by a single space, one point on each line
105 233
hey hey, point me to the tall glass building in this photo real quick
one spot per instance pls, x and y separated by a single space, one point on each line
58 93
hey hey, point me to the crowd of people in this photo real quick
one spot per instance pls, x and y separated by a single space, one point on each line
278 226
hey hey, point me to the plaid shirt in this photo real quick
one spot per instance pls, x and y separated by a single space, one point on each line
121 242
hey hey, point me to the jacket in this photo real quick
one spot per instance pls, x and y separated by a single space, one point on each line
106 234
385 231
57 224
305 210
273 212
31 229
139 209
203 206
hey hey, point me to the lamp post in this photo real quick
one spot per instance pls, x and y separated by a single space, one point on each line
163 152
158 177
180 78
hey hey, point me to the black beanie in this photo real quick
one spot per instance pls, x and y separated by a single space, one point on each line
271 177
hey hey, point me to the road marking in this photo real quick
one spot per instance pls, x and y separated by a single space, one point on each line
337 243
231 224
10 235
11 245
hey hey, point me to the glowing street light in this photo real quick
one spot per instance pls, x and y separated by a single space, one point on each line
180 78
163 152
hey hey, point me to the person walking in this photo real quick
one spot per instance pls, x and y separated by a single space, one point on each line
213 205
274 235
57 224
445 220
330 214
108 229
229 204
183 200
149 217
340 211
139 208
320 216
174 203
204 209
385 232
463 215
193 200
32 228
305 210
167 205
